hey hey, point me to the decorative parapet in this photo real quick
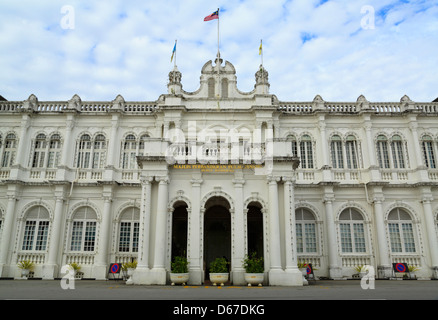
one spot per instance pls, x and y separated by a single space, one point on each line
75 104
361 105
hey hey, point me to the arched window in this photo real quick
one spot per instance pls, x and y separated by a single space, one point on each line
83 230
336 151
305 231
84 152
351 152
36 229
141 146
54 151
39 153
87 148
352 231
129 152
306 152
428 152
99 152
398 158
9 150
129 230
401 233
382 152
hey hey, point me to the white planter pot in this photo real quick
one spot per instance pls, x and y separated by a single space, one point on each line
254 279
130 271
304 271
25 273
179 278
220 278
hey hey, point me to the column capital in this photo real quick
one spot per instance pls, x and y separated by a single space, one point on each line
238 182
272 179
196 182
162 179
146 180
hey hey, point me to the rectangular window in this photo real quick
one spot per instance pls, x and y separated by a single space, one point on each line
394 236
29 234
135 237
359 237
299 233
408 237
351 154
41 241
346 238
310 237
90 236
125 236
382 153
76 236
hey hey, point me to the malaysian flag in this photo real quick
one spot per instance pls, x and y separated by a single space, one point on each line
214 15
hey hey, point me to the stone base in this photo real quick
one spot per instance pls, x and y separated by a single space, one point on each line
195 278
147 276
279 277
50 271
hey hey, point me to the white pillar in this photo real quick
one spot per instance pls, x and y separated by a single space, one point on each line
431 230
238 252
194 240
384 265
335 271
158 270
274 225
101 263
7 227
141 273
51 268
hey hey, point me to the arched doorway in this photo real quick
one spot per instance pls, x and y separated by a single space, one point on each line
179 230
217 231
254 224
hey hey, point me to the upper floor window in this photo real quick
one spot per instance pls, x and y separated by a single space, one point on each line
39 153
9 148
352 152
429 152
91 153
337 154
306 152
401 233
352 231
391 154
54 151
130 149
36 229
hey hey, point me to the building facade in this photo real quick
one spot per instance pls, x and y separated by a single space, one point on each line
218 173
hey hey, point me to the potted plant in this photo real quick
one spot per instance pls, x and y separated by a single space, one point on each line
76 270
130 267
361 270
179 273
26 267
219 271
412 270
254 268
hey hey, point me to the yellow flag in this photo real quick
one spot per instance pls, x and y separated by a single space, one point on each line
260 48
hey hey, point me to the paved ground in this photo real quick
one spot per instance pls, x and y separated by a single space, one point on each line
118 290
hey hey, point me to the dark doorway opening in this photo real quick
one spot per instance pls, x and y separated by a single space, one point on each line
179 230
255 229
217 233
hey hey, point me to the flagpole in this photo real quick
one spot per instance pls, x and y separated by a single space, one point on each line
175 55
218 18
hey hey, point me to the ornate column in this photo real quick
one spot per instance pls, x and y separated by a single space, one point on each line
430 229
112 147
383 265
6 235
289 225
51 268
238 252
195 228
158 271
335 270
275 270
102 253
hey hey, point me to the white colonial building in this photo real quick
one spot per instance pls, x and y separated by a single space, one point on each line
218 172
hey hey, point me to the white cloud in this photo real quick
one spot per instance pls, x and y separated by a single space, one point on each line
310 47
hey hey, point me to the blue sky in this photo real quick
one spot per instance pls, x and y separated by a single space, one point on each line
338 49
